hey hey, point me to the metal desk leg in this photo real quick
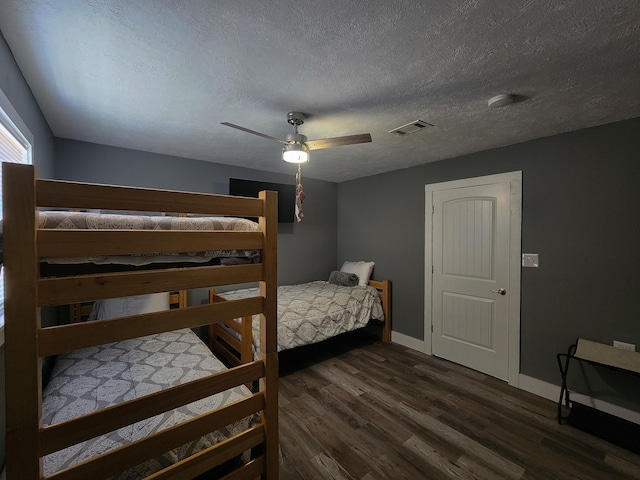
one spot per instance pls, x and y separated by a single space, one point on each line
564 370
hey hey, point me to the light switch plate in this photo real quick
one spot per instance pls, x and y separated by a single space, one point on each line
530 260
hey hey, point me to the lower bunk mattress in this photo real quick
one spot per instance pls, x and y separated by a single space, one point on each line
93 378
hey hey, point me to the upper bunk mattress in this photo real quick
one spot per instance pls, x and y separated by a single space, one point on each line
107 221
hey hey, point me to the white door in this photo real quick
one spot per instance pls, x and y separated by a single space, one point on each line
471 287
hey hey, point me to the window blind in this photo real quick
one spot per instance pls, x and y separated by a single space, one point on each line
14 148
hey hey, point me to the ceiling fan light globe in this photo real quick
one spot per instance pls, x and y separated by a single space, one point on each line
295 153
295 156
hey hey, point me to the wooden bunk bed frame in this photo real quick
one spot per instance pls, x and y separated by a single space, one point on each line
237 351
27 342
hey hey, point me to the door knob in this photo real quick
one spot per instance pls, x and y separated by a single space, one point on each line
501 291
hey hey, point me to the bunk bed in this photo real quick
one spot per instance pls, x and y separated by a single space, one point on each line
30 438
307 313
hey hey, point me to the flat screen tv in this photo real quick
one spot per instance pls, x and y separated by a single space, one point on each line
251 188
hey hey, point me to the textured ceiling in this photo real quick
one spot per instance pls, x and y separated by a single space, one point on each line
160 76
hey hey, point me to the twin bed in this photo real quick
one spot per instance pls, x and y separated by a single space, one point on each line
135 393
307 313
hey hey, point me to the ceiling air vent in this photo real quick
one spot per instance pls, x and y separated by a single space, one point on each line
412 127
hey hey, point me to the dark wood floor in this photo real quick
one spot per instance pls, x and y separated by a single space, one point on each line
360 409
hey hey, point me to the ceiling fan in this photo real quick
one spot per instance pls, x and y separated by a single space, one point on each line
296 147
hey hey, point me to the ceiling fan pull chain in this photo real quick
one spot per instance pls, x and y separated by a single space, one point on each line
299 196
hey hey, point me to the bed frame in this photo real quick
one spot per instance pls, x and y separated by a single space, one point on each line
237 349
27 342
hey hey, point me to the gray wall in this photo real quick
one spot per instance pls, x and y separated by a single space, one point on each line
581 197
15 88
306 251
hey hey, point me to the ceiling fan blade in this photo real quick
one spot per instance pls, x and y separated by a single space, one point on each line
338 141
253 132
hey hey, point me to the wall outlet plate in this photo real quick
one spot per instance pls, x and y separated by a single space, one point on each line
624 345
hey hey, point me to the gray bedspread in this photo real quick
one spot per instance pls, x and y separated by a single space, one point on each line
93 378
311 312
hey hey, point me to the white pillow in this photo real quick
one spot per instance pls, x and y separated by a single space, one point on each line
135 305
361 269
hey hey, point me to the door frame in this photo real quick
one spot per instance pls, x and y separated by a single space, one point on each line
515 253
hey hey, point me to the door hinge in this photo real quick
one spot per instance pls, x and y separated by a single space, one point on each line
431 269
432 328
433 209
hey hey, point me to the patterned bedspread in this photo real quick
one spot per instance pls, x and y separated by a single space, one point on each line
315 311
93 378
103 221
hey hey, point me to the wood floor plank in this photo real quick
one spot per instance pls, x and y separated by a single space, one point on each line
332 469
626 467
356 408
482 469
435 458
472 447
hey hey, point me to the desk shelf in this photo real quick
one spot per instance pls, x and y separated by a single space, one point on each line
612 358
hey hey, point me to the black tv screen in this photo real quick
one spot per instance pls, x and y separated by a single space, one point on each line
251 188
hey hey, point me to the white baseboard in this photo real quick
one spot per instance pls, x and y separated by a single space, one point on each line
552 392
538 387
407 341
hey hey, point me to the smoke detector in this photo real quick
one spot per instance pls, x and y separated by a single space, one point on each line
411 127
501 100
